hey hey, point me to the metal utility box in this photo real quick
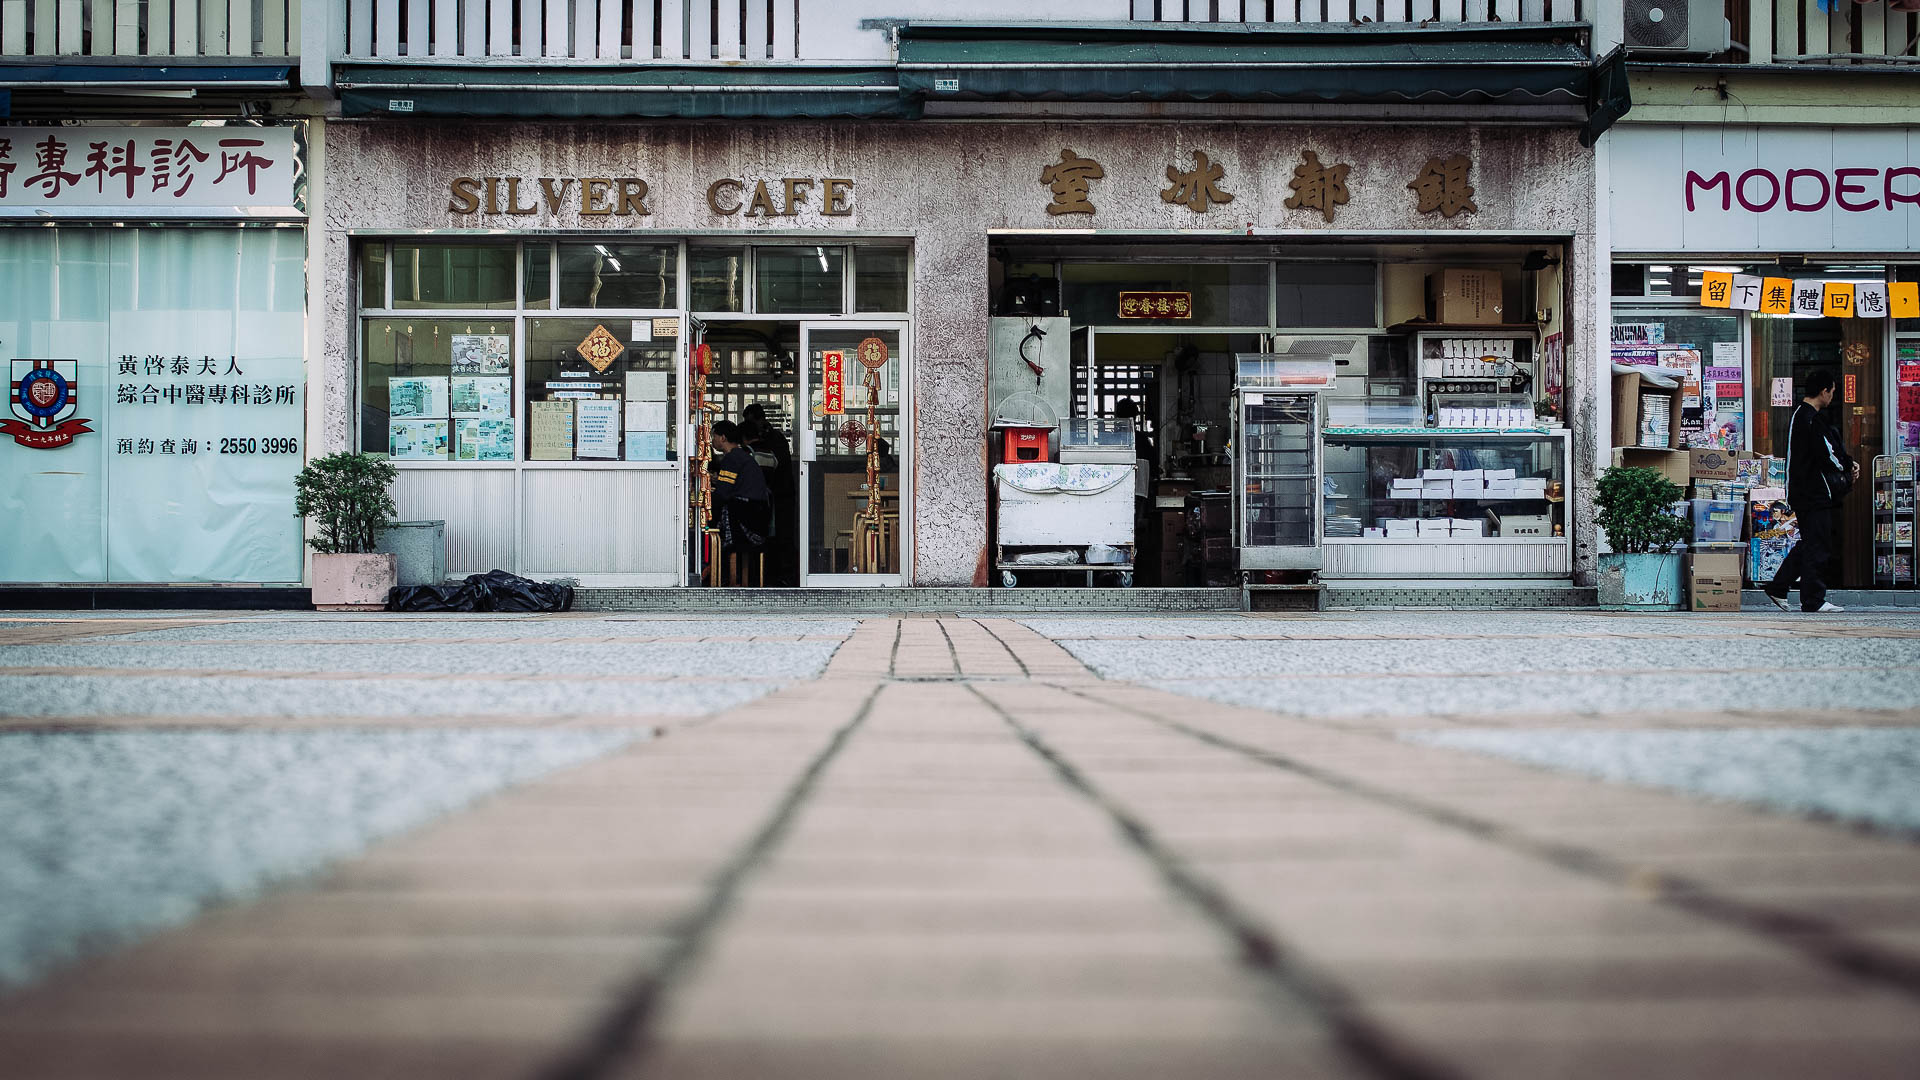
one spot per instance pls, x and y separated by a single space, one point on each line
1277 464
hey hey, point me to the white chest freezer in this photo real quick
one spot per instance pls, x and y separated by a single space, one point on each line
1048 504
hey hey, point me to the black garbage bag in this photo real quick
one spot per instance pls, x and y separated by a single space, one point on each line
495 590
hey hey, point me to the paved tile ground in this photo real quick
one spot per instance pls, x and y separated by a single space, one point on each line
1353 845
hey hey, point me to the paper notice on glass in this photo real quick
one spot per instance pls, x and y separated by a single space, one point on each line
483 440
480 396
413 440
416 397
1726 354
646 416
646 386
1783 391
646 446
597 429
551 430
479 354
642 331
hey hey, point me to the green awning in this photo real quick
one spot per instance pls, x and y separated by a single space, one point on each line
1367 64
728 92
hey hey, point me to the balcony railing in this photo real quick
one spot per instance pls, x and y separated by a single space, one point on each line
158 28
1798 32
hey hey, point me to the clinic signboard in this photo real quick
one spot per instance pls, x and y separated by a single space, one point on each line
1734 189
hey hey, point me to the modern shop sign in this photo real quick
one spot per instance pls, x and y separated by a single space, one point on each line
204 171
1810 296
45 395
1735 189
626 196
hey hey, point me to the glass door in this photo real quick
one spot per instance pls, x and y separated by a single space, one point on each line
1280 482
853 454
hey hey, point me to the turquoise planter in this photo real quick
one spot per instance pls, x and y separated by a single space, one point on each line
1641 582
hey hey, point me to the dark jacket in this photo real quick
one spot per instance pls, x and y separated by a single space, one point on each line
737 476
1818 465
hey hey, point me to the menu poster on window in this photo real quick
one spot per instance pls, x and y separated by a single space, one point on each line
646 386
550 429
481 397
1906 360
483 440
480 354
646 446
416 397
597 429
415 440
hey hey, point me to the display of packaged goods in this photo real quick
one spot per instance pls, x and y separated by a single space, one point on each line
1343 525
1903 566
1373 534
1530 487
1883 533
1715 521
1903 467
1468 489
1524 525
1435 528
1777 472
1468 527
1882 468
1883 498
1903 532
1750 470
1498 474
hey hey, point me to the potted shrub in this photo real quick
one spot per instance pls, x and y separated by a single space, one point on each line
347 498
1642 572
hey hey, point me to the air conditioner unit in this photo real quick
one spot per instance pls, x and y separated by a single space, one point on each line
1677 26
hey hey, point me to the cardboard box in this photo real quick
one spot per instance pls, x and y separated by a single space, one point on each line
1465 297
1525 524
1713 464
1673 464
1435 528
1468 527
1628 388
1713 580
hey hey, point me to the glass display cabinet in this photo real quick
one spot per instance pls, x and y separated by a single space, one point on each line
1277 415
1433 503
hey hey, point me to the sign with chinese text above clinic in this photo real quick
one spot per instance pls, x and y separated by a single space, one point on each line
1733 188
183 171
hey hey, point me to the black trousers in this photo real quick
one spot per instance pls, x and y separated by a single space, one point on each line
1809 557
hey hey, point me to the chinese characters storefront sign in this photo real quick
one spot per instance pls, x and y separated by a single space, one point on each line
89 168
1442 186
43 398
1156 305
600 348
1810 296
833 382
1197 189
1069 180
220 382
1318 187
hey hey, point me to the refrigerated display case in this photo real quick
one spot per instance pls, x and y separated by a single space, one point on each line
1277 421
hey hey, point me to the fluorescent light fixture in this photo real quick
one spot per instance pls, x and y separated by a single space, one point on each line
821 254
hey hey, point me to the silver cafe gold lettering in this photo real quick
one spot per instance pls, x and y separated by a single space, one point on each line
594 196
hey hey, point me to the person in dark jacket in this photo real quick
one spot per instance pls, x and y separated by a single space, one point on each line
1820 472
741 500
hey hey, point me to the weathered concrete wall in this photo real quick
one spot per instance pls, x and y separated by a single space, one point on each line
946 186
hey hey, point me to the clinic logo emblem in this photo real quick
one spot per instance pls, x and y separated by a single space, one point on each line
42 396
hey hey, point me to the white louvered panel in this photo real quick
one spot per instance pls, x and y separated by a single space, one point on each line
642 30
499 27
530 42
240 28
1473 11
726 30
126 25
1873 30
186 27
214 29
386 29
783 28
13 27
759 22
1452 11
1307 11
699 16
1340 11
673 30
445 16
43 38
72 18
554 30
1533 11
1786 28
1142 10
473 27
273 27
586 28
1199 11
359 27
1230 11
416 32
608 44
159 28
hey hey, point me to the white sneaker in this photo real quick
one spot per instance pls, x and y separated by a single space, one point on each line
1779 602
1829 606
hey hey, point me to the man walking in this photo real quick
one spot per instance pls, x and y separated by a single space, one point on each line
741 506
1819 474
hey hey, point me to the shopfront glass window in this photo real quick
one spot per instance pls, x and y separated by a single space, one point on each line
373 275
614 275
1705 346
437 389
453 275
799 280
1218 294
596 394
536 279
1326 294
879 279
717 278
